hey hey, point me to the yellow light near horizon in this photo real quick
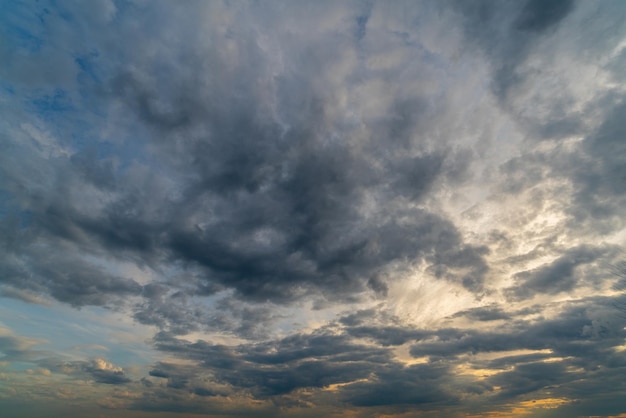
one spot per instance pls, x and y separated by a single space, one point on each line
524 408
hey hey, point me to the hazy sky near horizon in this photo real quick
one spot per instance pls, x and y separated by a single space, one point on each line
310 208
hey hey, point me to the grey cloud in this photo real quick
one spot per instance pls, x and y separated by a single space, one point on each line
86 286
593 168
174 310
240 182
249 167
387 335
421 384
252 321
314 361
510 35
278 368
277 212
169 309
16 348
300 347
184 377
507 362
200 391
566 378
593 321
599 173
456 342
103 372
619 271
145 101
539 15
494 313
522 173
28 297
530 377
97 369
582 341
558 276
65 277
99 171
159 373
506 31
358 317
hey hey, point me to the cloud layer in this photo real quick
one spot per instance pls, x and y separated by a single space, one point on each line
315 208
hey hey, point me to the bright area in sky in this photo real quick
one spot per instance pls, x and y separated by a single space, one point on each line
355 208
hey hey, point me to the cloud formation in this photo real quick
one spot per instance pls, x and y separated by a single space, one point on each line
315 208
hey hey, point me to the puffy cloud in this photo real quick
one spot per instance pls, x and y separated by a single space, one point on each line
104 372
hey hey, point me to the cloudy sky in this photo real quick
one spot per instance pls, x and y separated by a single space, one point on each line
307 208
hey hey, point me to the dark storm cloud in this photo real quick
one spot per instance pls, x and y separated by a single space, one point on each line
57 272
421 384
314 250
584 336
569 378
526 378
280 367
538 15
312 361
294 197
266 193
581 340
54 271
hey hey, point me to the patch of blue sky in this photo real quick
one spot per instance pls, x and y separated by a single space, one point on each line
86 63
63 115
62 12
25 218
55 110
77 130
7 89
23 24
361 26
9 212
68 332
19 366
5 208
49 103
24 39
76 115
90 82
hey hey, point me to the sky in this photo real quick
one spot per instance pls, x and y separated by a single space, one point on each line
311 208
